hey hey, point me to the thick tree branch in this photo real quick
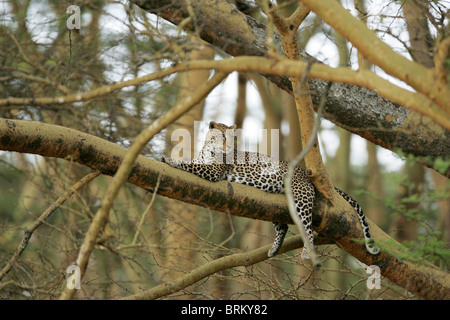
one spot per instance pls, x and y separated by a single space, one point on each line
374 117
331 220
379 53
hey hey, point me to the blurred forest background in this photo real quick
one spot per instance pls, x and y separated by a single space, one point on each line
157 239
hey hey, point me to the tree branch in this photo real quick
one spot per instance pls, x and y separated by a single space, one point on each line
379 53
374 117
308 125
389 128
231 261
331 220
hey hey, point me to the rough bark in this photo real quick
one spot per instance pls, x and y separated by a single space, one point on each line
336 220
373 117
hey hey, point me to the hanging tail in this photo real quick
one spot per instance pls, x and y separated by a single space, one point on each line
370 244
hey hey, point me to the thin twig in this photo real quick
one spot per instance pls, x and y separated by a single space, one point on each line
233 232
70 58
147 210
21 52
23 75
98 92
297 89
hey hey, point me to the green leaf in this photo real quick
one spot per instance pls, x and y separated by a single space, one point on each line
441 165
22 66
414 198
51 63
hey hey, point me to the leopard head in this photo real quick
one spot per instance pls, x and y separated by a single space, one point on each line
219 141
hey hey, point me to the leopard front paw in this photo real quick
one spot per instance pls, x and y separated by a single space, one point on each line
171 162
168 160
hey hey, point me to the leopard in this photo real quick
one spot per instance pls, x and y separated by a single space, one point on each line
220 160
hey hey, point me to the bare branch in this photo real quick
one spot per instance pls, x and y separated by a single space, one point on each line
379 53
234 260
306 119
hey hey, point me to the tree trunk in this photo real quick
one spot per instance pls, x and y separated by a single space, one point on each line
404 227
375 210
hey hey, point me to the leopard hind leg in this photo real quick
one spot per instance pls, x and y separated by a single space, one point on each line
304 195
303 192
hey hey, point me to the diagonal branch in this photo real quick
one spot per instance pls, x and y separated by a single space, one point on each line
267 66
234 260
379 53
331 220
391 127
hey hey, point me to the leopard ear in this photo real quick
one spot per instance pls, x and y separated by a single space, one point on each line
212 124
234 126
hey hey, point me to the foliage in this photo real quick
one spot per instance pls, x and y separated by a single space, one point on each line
416 206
